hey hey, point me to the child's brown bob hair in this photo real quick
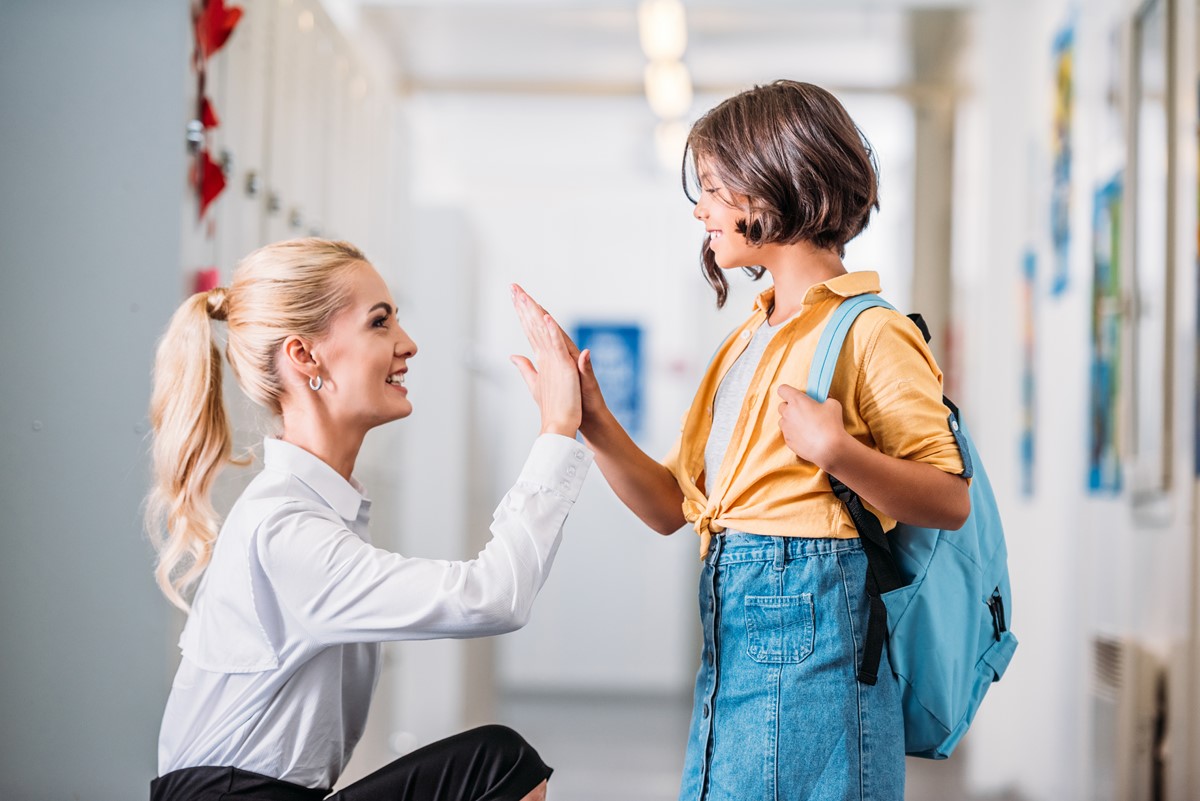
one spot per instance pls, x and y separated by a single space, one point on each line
791 154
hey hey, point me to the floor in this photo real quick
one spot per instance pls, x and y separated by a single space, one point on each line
631 748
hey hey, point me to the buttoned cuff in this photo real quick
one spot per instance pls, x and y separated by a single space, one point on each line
558 463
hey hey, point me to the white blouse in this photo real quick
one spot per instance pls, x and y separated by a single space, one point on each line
280 650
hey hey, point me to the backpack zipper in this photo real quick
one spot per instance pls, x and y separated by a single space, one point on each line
996 605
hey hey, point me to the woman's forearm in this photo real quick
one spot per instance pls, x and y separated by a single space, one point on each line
646 487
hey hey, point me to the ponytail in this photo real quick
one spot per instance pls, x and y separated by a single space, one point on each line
192 442
283 289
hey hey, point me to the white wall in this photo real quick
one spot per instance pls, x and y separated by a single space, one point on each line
93 165
1082 565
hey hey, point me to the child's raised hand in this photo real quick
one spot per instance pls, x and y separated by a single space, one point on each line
814 431
554 381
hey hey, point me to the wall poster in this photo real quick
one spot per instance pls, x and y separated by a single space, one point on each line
617 361
1060 193
1028 441
1104 458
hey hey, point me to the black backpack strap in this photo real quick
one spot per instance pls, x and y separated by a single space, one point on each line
921 325
882 577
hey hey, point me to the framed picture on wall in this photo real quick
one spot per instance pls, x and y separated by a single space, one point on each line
1151 277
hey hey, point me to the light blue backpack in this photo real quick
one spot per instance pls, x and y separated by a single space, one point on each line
941 599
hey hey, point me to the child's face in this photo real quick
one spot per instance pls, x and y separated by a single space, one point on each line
721 210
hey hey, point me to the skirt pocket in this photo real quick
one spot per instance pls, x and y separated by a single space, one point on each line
779 628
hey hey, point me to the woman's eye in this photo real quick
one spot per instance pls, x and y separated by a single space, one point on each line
379 322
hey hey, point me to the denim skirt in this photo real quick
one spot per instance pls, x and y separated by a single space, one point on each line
779 713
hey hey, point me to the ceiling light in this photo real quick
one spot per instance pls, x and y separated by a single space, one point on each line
662 29
668 88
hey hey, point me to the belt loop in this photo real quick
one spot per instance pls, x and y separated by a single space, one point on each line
780 552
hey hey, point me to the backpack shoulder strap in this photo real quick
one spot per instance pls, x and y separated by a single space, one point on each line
820 375
882 575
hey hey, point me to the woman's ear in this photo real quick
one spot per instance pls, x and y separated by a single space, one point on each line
298 357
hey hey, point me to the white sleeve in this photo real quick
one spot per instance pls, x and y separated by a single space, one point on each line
342 589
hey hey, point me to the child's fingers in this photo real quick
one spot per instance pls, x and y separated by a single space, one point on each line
789 393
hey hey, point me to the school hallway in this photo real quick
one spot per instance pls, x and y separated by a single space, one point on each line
1039 207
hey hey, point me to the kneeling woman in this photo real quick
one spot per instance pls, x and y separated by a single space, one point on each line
280 650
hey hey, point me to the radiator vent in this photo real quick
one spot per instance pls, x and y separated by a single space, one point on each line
1127 703
1108 658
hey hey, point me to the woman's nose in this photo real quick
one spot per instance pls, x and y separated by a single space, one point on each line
406 346
699 212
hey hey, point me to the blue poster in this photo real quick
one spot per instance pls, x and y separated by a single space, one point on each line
1104 455
617 361
1028 373
1060 193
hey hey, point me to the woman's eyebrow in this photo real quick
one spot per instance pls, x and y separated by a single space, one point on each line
387 307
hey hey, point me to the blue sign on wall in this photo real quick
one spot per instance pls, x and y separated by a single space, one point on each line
617 361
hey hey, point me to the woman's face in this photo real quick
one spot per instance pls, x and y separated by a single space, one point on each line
364 357
720 211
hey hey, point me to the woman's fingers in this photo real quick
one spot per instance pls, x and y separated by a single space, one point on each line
528 373
527 317
521 296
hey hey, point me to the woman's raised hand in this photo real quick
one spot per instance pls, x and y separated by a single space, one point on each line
592 398
554 380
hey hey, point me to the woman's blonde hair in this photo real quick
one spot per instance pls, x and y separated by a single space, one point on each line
284 289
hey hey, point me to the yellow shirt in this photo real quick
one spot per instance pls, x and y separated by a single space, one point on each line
890 389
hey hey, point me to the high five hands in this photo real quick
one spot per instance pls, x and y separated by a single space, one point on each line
537 322
554 380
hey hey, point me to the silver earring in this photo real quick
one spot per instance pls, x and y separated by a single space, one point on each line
315 383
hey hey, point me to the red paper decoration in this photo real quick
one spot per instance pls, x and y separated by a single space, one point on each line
206 279
208 178
208 115
213 25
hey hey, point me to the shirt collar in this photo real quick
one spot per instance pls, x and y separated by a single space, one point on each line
845 286
344 497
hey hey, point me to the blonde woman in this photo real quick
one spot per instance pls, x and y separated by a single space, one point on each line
280 654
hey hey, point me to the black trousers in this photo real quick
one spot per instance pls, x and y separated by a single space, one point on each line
491 763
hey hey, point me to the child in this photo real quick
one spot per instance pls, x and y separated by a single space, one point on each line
281 647
786 180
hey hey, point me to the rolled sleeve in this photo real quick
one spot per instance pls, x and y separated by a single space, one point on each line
900 398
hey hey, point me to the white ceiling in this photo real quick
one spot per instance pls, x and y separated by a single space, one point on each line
591 46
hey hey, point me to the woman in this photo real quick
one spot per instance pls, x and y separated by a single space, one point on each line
281 646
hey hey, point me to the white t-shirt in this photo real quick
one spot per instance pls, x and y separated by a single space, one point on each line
280 650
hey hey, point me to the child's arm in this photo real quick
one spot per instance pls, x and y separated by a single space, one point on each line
644 485
913 492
